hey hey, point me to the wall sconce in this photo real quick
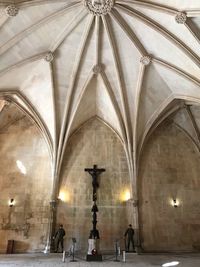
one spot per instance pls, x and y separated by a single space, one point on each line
11 202
125 195
175 203
64 195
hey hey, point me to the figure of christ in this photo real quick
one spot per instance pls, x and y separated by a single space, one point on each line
94 173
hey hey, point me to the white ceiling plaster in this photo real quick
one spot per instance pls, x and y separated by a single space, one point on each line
169 23
161 47
177 83
183 120
153 93
178 4
33 80
126 94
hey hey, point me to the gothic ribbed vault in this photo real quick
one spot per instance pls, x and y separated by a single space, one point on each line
129 65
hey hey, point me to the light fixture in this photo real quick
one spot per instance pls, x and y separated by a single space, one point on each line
125 195
173 263
11 202
64 195
175 203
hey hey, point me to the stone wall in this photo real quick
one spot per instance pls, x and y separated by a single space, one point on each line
170 168
25 176
94 143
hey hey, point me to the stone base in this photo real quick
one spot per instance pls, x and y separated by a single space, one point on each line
94 257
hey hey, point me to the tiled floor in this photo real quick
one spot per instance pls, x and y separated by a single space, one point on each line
54 260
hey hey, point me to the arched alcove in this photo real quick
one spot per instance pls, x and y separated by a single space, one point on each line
26 178
94 143
169 169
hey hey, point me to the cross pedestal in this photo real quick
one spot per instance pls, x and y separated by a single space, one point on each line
94 233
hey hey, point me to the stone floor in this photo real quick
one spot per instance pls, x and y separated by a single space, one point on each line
54 260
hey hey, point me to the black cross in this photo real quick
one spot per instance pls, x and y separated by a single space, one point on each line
94 173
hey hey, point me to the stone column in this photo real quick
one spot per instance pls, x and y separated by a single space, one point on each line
50 245
132 215
53 209
53 224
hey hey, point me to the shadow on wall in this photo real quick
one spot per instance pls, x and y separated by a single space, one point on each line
14 246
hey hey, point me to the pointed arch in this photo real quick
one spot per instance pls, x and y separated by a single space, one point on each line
172 104
28 109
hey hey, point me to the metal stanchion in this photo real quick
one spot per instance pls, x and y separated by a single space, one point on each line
117 250
63 259
73 250
124 256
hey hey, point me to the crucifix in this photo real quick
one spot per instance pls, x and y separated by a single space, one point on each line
94 172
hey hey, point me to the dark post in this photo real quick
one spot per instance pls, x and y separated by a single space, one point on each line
94 172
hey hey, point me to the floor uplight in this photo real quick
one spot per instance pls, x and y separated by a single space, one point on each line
173 263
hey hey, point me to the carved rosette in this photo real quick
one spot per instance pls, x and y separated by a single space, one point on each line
7 102
97 69
11 11
99 7
145 60
180 17
49 57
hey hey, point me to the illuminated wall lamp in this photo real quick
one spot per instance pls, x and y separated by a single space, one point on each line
175 203
11 202
64 196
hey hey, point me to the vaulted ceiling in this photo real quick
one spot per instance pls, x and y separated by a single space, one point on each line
128 62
